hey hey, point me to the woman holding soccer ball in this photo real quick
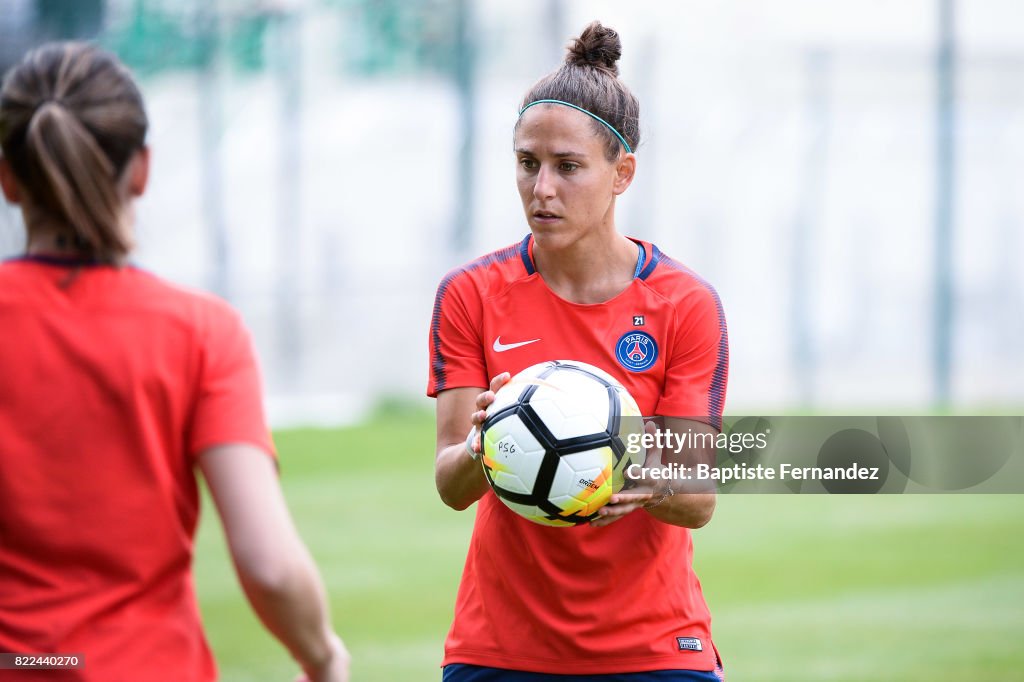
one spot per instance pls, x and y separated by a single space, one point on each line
114 387
616 599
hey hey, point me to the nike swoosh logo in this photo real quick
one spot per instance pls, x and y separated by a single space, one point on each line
500 347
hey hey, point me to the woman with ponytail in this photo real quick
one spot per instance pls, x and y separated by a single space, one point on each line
616 599
115 387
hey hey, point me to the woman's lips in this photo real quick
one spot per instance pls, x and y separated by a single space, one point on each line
545 217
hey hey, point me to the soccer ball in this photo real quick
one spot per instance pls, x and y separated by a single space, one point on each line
557 441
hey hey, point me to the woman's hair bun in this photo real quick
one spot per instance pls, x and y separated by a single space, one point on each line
598 47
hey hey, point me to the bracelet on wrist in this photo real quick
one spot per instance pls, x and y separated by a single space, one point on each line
667 493
469 443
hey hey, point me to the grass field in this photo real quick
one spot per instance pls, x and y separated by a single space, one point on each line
815 588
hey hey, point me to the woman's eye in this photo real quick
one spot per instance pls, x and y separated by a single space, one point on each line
528 164
569 166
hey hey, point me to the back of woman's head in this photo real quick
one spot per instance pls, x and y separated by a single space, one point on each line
589 79
71 120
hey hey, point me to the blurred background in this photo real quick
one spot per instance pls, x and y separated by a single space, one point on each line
847 175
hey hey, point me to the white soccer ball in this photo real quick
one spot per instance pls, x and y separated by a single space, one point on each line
557 441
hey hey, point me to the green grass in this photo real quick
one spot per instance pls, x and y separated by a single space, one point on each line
915 587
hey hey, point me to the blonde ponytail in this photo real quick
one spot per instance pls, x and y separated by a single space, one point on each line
77 183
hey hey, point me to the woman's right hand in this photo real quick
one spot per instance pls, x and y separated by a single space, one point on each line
334 669
483 401
458 475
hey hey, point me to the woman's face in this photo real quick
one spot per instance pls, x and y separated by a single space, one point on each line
566 183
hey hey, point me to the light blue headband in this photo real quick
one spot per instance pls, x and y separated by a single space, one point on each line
606 124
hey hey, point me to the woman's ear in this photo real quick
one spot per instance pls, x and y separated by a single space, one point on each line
138 172
9 183
625 169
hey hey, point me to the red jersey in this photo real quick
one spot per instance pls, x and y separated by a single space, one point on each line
111 383
582 600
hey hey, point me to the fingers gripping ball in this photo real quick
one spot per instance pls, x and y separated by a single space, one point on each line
555 441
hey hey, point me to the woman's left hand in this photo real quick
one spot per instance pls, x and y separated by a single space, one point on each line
619 505
622 504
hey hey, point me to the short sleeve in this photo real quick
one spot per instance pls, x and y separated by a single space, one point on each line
456 347
698 370
229 398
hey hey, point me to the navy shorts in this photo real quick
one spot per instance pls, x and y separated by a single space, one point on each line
461 672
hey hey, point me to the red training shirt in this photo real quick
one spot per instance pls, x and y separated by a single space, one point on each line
111 383
582 600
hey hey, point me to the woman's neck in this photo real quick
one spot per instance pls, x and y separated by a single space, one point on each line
61 244
590 270
54 243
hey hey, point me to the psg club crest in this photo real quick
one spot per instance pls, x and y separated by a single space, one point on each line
636 351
